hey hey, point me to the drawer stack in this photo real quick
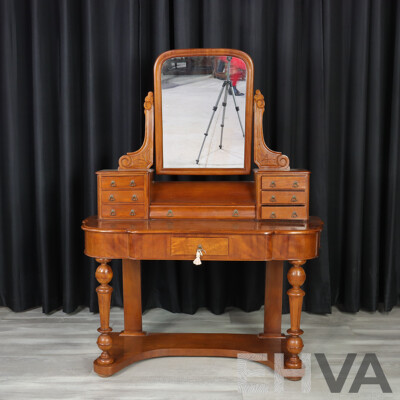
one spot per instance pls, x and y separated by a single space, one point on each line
282 195
123 195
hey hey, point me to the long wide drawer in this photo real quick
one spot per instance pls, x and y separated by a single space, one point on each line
122 196
200 212
122 211
268 212
189 245
276 197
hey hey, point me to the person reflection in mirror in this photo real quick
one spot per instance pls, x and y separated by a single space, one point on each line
238 68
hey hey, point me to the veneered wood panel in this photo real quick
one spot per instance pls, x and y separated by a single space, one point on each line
122 196
295 246
284 182
276 197
213 193
189 245
123 211
132 288
106 245
284 212
201 212
122 182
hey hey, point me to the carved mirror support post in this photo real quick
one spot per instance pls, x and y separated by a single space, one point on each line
265 158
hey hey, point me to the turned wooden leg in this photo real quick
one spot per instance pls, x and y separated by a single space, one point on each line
296 277
104 275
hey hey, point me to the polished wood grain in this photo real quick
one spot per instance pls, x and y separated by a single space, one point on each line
158 112
296 180
189 226
283 212
283 197
273 299
117 188
276 190
198 192
104 275
296 277
202 211
132 288
127 350
117 182
122 211
122 196
248 240
211 246
262 220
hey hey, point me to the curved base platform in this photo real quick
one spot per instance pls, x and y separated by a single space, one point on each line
126 349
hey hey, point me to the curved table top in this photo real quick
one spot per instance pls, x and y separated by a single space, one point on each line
202 226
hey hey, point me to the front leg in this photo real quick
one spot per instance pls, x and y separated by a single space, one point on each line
296 277
104 275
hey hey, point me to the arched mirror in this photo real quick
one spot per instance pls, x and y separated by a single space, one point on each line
203 112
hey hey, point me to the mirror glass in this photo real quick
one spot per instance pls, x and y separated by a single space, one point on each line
203 112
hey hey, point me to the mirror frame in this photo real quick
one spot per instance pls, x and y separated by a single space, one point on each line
158 112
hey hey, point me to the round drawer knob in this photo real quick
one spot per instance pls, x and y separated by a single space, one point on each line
133 182
273 199
293 199
170 213
294 214
295 184
235 213
273 215
111 198
113 213
134 197
272 184
132 213
113 184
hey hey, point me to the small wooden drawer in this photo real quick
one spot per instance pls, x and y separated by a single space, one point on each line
284 182
122 211
268 212
271 197
181 246
122 196
122 182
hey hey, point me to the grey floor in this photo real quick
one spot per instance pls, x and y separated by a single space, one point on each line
50 357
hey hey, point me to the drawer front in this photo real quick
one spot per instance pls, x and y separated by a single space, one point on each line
193 212
181 246
271 197
122 196
122 211
284 182
268 212
122 182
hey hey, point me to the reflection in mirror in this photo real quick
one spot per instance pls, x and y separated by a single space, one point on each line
203 112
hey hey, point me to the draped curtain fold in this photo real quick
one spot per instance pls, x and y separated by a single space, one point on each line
73 76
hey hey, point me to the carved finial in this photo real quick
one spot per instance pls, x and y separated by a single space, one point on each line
259 99
148 101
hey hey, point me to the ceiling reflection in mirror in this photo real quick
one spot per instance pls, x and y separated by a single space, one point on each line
203 112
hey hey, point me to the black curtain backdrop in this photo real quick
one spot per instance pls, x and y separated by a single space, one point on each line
73 77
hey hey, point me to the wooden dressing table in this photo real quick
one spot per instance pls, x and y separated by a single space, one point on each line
142 219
